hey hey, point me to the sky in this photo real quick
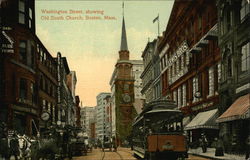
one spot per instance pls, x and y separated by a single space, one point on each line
91 46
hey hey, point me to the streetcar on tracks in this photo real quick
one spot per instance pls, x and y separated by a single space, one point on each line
158 132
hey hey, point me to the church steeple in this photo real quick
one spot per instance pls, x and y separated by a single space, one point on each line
124 45
123 53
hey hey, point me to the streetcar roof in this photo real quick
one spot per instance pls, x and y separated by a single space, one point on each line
138 119
163 110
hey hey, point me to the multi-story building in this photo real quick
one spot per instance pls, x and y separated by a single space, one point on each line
157 89
190 64
71 83
31 81
137 70
148 72
82 119
63 92
47 86
19 86
234 88
101 123
152 73
108 116
88 117
113 102
78 112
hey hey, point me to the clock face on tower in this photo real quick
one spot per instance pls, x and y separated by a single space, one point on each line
126 98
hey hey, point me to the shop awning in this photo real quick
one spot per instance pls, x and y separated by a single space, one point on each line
185 121
204 120
240 109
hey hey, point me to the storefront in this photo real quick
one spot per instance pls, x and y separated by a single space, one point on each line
203 122
234 125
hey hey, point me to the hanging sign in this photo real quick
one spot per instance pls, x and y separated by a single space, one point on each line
7 41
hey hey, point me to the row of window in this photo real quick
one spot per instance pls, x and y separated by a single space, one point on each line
194 28
25 14
47 86
228 64
27 56
147 78
181 94
178 65
27 53
227 16
157 91
47 60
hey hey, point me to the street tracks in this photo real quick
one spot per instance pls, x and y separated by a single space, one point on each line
103 155
120 156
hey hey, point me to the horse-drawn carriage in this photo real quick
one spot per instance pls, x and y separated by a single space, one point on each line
80 144
108 143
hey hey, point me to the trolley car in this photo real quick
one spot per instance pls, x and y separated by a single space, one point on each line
158 132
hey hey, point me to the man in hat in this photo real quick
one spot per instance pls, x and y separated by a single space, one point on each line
203 143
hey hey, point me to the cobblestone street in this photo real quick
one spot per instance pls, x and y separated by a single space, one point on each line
121 154
97 154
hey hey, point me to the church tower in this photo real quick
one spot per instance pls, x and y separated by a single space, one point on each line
124 88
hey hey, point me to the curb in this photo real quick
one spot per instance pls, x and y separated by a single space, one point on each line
204 156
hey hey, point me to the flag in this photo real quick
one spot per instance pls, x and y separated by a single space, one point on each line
156 19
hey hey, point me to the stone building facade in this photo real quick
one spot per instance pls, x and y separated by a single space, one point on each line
47 85
101 123
137 70
234 88
147 74
151 75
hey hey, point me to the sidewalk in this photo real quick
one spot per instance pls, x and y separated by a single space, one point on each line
210 154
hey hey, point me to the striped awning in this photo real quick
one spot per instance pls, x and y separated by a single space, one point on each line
204 120
240 109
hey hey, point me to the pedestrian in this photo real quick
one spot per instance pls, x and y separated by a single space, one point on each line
114 144
248 148
203 143
14 146
219 147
